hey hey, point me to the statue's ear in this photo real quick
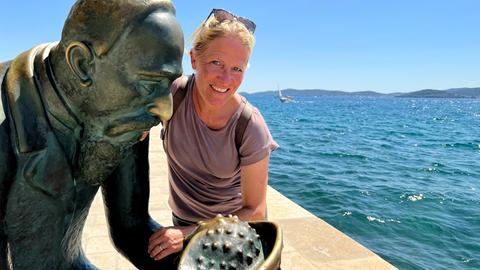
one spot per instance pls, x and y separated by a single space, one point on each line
80 58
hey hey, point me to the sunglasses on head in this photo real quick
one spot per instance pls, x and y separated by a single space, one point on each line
222 15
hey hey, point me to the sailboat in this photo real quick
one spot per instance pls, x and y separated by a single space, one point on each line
284 99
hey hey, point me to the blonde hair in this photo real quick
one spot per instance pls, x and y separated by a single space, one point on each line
213 29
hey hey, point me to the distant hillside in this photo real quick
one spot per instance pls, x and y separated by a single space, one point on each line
449 93
466 92
316 92
430 93
425 93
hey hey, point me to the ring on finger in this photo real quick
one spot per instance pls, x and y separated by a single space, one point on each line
162 247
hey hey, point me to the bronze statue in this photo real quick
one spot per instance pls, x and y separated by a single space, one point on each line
71 115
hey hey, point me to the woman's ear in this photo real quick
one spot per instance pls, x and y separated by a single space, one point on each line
193 60
80 58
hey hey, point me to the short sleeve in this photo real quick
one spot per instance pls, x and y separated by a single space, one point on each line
257 141
179 82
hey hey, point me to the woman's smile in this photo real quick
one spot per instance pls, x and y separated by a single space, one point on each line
219 89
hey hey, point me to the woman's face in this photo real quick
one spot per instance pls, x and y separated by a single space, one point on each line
219 70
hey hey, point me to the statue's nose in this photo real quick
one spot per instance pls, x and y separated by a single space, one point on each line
162 107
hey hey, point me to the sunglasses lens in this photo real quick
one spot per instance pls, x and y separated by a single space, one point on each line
222 15
248 24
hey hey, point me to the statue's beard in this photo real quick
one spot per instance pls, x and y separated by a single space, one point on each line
100 155
98 159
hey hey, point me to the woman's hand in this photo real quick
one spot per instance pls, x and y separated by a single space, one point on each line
168 240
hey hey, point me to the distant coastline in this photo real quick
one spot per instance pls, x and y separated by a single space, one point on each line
425 93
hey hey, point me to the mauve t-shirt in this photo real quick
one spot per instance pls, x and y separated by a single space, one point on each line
204 164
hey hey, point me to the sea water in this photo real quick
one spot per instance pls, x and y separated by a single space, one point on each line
399 175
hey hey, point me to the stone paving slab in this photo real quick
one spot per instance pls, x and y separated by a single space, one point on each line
309 242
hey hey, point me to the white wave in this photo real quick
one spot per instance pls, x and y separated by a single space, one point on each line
370 218
414 198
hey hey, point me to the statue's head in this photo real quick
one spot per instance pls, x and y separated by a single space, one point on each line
120 58
122 54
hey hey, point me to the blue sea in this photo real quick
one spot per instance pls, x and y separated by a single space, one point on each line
399 175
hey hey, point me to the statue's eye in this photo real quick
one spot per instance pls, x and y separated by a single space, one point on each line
158 87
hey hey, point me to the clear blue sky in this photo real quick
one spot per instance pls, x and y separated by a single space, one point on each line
351 45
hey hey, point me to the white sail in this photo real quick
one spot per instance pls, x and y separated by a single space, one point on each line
284 99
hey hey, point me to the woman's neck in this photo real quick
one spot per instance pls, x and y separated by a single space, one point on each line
215 117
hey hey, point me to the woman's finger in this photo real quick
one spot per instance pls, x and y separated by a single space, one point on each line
169 250
157 250
155 244
156 239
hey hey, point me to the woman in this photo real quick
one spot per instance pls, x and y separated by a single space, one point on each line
208 173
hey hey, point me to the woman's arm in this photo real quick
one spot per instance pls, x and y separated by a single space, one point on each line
254 181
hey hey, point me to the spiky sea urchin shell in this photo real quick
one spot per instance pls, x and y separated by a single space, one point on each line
223 243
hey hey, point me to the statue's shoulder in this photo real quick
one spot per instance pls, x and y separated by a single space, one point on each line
24 107
3 69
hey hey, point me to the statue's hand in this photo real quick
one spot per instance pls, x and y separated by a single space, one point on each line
168 240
